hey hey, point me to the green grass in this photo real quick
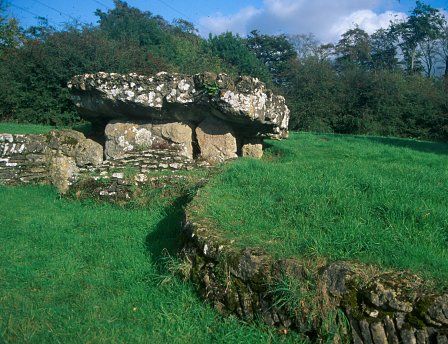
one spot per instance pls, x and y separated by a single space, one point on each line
16 128
21 128
83 272
372 199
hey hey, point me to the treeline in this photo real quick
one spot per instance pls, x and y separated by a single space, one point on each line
386 83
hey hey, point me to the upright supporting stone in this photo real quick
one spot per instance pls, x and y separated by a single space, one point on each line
74 144
63 171
128 138
252 148
216 140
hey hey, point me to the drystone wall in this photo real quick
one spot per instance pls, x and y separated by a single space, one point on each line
23 158
148 123
52 158
64 157
330 302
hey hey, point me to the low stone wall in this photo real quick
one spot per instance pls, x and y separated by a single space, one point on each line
65 157
337 302
23 158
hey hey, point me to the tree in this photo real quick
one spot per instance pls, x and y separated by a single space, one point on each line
428 51
274 51
232 49
130 25
11 35
423 24
325 51
185 26
384 49
443 47
305 45
354 48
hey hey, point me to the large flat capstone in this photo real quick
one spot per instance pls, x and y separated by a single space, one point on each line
243 102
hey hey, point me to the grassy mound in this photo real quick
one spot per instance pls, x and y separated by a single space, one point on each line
83 272
372 199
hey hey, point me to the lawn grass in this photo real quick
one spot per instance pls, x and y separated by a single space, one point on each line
372 199
83 272
20 128
23 128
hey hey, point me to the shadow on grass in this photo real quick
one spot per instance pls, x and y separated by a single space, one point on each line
421 146
166 239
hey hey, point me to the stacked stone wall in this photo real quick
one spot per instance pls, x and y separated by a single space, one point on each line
23 158
328 301
64 157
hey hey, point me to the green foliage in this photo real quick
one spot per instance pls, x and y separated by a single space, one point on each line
313 96
212 89
354 48
86 272
233 50
10 33
16 128
129 24
361 90
374 199
275 52
356 100
424 22
384 50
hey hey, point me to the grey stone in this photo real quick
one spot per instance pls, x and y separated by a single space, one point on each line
378 333
439 310
245 101
422 336
63 170
74 144
365 331
252 148
442 339
124 139
407 336
216 141
389 327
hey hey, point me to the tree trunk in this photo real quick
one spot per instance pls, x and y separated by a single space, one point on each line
412 61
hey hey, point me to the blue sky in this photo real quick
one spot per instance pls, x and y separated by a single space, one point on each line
326 18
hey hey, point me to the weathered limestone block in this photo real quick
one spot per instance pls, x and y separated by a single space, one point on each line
74 144
243 101
127 139
252 148
63 171
176 132
216 141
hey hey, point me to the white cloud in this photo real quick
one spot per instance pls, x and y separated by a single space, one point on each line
327 19
236 23
366 20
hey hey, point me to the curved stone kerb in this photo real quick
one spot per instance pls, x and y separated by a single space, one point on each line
380 306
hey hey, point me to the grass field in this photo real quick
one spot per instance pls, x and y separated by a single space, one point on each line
377 200
73 272
20 128
83 272
15 128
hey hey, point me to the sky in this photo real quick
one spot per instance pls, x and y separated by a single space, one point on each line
327 19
